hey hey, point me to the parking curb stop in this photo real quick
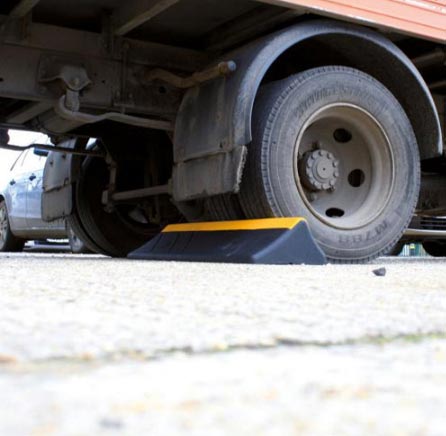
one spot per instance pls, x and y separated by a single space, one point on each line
274 241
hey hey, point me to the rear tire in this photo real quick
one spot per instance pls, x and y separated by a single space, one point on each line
396 251
435 248
114 233
8 242
333 145
74 222
76 244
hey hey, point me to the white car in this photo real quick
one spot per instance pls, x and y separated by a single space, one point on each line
21 205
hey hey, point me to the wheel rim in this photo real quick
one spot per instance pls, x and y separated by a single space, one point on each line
116 232
344 166
3 224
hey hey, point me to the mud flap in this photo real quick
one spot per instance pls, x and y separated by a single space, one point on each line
275 241
57 194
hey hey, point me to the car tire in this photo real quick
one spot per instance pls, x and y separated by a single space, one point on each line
334 146
8 242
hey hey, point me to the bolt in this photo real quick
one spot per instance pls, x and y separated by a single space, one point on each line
336 173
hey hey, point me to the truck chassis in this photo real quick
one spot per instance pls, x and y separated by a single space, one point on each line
210 110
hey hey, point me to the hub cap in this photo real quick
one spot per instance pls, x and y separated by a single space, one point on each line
320 170
344 166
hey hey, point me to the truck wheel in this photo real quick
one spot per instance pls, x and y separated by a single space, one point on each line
116 233
8 242
435 248
333 145
74 223
76 244
396 251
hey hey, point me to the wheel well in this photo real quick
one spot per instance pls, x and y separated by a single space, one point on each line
214 124
376 60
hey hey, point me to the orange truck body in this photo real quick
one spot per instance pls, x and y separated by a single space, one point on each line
423 18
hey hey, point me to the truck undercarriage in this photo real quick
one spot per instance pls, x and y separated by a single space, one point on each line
189 99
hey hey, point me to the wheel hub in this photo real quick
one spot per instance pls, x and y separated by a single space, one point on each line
319 170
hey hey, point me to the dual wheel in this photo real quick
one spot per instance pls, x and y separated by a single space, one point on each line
333 145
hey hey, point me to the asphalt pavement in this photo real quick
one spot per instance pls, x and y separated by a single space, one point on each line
92 346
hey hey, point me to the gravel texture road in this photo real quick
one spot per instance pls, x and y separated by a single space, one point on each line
92 346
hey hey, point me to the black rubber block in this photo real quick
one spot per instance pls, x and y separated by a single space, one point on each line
281 246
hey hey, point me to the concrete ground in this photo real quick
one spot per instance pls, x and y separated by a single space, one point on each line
95 346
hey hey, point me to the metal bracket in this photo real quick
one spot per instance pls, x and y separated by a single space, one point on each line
73 76
66 113
220 70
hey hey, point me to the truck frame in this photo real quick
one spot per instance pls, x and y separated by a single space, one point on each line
220 110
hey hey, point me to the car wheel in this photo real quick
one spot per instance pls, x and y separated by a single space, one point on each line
8 242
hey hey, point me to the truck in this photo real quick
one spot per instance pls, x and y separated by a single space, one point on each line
169 111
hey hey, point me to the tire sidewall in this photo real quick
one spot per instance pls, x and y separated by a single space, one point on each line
4 244
301 99
76 245
108 230
11 242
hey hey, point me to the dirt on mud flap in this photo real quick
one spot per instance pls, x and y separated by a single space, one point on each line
274 241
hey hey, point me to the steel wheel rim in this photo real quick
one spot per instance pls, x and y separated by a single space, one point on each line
344 166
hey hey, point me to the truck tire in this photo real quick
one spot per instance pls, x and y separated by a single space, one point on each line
333 145
113 232
396 251
435 248
77 245
73 221
8 242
